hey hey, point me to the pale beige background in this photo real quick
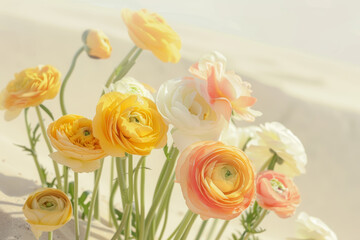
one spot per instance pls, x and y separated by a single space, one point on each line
317 98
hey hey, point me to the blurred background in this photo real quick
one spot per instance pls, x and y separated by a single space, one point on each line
301 57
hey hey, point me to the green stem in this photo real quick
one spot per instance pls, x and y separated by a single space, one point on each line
43 130
128 66
96 205
188 228
162 190
213 227
67 76
93 197
33 151
168 197
273 162
66 179
76 199
184 224
246 143
142 201
257 223
222 229
111 204
136 192
123 222
50 235
164 201
185 218
112 162
130 195
120 67
201 230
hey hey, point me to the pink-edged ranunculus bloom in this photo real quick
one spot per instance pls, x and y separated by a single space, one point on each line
225 84
217 180
277 192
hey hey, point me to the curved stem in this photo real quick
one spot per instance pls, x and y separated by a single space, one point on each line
222 230
166 217
188 228
162 190
273 162
120 66
213 226
201 230
130 195
43 130
76 199
136 192
184 224
128 66
123 222
50 235
142 201
33 151
111 204
94 195
67 76
112 161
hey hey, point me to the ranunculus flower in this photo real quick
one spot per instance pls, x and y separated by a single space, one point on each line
225 84
29 88
217 180
312 228
72 136
193 118
128 123
277 192
236 136
132 86
97 44
46 210
275 137
150 31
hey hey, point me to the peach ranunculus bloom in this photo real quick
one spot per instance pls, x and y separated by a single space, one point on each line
128 123
72 136
226 85
46 210
277 192
150 31
29 88
217 180
97 44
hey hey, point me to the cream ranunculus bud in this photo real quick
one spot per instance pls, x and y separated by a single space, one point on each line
313 228
97 44
132 86
46 210
274 137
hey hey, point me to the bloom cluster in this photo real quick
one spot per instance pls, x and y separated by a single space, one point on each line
224 171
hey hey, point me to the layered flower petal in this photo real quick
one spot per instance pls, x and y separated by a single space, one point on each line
46 210
72 136
217 181
128 123
29 88
150 31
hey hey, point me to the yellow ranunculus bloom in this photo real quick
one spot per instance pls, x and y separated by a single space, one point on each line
97 44
72 136
46 210
150 31
128 123
29 88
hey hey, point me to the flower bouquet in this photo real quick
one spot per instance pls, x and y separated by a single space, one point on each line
225 172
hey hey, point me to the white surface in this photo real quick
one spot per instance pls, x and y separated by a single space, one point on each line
318 101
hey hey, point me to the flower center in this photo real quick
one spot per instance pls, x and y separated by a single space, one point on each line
277 186
86 132
225 177
47 203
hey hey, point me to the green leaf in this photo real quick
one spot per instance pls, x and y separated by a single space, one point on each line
47 111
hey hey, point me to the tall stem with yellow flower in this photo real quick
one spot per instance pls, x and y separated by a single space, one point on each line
42 126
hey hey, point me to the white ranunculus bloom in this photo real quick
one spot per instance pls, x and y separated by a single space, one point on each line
274 136
237 136
313 228
193 118
130 85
